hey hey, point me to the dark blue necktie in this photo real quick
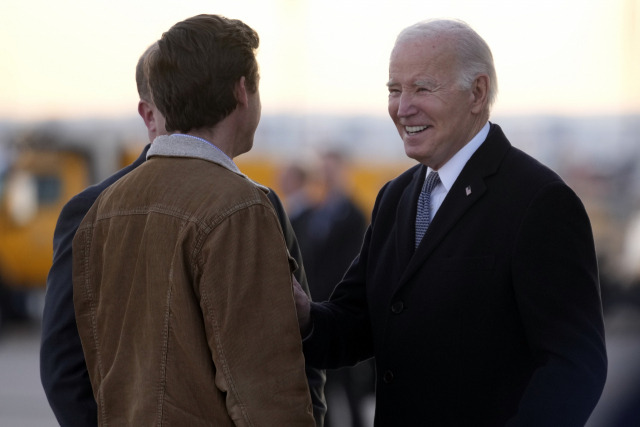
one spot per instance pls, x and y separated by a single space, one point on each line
423 216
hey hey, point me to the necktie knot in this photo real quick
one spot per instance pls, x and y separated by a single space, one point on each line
423 215
429 184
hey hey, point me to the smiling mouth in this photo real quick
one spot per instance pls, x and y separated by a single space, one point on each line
412 130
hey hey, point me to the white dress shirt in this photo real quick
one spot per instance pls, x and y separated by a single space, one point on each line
449 171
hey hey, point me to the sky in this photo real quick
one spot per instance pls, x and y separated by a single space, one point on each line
76 58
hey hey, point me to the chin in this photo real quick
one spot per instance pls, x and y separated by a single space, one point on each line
413 152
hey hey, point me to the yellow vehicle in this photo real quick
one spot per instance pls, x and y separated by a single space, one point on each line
47 172
36 188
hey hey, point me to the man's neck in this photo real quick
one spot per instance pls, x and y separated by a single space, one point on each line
215 136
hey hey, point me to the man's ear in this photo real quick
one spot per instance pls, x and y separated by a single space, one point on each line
146 112
480 93
240 92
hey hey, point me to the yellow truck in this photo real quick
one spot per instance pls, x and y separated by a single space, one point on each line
46 170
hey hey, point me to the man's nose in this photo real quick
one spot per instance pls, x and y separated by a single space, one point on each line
406 106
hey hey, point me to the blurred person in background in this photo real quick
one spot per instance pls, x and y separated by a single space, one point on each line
335 227
330 231
294 183
63 369
476 288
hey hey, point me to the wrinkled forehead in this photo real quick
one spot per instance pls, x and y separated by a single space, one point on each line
420 44
421 55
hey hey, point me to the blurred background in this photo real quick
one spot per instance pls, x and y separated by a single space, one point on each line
569 94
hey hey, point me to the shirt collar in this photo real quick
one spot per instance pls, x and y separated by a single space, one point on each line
180 145
449 172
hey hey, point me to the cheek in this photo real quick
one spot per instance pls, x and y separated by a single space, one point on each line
393 109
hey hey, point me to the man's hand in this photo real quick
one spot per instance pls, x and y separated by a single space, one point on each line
302 307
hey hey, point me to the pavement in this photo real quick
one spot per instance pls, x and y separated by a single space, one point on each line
22 399
24 404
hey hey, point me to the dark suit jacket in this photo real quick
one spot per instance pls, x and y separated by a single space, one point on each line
62 365
495 319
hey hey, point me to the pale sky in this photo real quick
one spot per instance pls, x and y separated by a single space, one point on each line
76 58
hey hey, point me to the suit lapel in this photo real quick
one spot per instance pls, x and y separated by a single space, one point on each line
468 188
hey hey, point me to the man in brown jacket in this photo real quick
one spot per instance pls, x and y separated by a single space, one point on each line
182 281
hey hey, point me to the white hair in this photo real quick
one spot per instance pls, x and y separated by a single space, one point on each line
474 55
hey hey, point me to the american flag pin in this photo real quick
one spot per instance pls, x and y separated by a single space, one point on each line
468 190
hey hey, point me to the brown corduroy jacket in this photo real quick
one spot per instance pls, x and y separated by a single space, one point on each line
183 297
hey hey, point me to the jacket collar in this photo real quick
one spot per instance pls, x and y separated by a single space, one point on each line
177 145
466 190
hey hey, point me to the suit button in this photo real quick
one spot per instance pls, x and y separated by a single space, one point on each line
388 377
397 307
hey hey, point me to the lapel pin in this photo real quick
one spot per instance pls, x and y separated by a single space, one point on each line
468 190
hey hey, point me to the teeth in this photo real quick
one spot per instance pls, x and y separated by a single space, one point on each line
412 129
